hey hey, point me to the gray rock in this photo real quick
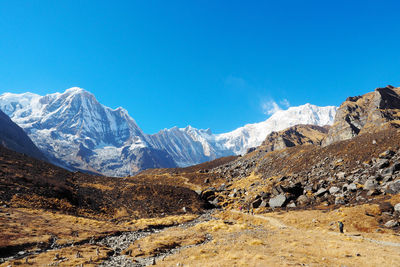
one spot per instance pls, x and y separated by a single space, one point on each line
341 175
263 204
340 201
393 187
396 167
391 223
387 178
360 198
334 190
383 164
303 200
352 187
321 192
291 205
370 184
397 207
277 201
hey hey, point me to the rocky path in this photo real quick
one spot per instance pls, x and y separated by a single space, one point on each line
118 243
122 242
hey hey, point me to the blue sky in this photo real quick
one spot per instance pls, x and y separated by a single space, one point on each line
210 64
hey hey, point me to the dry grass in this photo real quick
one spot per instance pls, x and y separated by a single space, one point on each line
21 226
99 186
286 240
35 228
155 244
89 255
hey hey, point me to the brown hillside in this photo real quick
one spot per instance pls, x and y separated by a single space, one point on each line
26 182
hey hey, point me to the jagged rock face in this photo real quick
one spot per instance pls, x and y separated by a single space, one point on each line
76 132
371 112
14 137
294 136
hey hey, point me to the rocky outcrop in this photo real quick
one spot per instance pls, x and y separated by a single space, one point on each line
371 112
293 136
14 137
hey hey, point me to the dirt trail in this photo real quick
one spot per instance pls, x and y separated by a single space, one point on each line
312 233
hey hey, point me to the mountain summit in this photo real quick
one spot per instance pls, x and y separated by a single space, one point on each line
75 129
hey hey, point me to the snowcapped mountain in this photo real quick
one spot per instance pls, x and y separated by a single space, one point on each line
252 135
74 130
190 146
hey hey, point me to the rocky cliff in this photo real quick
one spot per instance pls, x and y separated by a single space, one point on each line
294 136
368 113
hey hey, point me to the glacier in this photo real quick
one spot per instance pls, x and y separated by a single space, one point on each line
76 132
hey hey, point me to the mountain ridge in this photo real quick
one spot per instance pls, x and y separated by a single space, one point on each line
75 128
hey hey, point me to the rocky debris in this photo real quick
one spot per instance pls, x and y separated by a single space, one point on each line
327 181
122 242
328 175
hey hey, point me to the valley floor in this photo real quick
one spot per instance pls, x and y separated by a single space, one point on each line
217 238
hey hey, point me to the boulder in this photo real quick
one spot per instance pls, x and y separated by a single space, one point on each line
397 207
391 224
393 187
370 184
381 164
340 201
303 200
278 201
321 192
352 187
334 190
341 175
396 167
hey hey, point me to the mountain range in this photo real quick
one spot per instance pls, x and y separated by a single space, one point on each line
75 131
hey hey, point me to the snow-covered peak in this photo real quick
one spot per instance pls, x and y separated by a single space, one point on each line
252 135
75 90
